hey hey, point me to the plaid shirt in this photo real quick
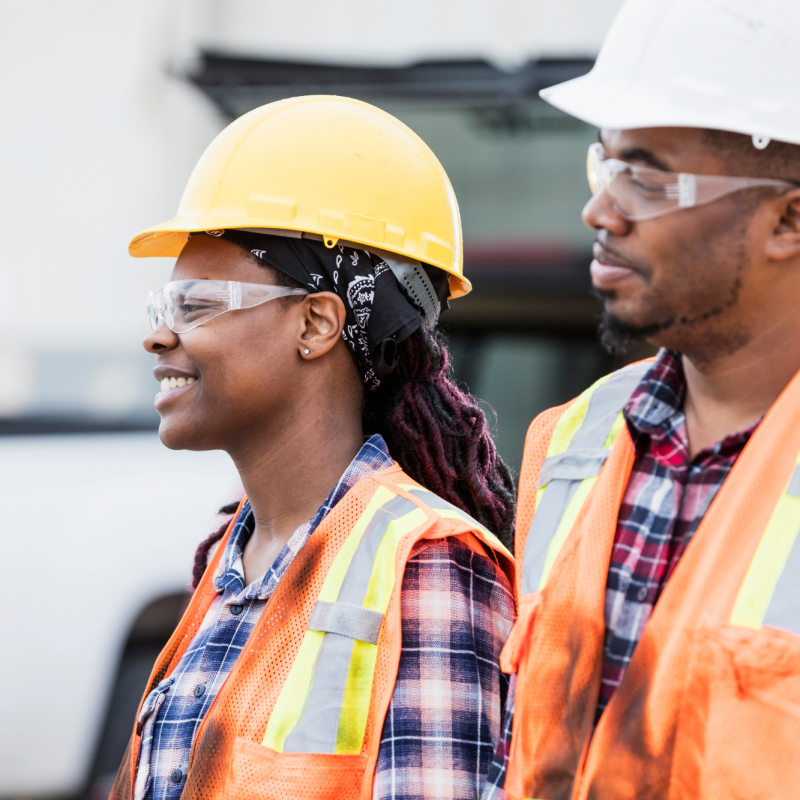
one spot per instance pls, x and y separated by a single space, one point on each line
457 611
667 497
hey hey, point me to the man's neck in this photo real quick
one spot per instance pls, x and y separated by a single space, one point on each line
288 473
731 392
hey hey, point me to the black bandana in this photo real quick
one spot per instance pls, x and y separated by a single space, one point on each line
380 313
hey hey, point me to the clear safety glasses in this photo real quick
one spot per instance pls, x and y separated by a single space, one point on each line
643 192
184 305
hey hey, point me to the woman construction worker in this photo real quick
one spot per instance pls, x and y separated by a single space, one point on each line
343 639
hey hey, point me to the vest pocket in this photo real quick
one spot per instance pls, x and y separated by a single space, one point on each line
739 724
260 773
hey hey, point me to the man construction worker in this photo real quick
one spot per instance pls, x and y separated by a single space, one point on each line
343 640
657 650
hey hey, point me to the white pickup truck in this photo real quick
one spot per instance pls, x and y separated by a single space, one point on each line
97 534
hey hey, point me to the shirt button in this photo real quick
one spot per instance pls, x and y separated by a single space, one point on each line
177 775
236 610
199 690
641 595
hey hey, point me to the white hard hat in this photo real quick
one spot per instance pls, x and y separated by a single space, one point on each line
733 65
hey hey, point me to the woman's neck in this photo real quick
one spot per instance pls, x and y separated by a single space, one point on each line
288 472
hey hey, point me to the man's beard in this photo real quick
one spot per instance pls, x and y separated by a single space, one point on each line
617 337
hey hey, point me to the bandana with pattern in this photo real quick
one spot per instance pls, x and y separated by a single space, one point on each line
380 314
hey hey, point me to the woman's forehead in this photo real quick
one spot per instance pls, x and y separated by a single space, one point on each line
206 258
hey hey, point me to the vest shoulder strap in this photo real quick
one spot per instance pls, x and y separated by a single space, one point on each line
576 452
325 701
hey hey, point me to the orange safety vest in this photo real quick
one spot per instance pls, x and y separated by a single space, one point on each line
301 713
709 706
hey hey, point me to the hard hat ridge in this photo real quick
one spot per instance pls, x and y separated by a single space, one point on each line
729 65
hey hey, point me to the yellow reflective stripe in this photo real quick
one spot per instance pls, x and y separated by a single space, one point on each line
614 432
564 527
357 693
767 564
290 702
571 420
361 671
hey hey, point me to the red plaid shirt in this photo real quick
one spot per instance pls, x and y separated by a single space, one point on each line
668 495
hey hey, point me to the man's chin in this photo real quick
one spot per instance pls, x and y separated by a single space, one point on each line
618 336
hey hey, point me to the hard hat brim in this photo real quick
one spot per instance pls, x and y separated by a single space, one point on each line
169 238
605 105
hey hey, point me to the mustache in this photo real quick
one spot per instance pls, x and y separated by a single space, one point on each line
623 260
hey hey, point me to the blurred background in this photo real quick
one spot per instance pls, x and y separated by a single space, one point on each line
107 108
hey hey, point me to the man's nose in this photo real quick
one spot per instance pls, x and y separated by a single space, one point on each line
601 213
161 339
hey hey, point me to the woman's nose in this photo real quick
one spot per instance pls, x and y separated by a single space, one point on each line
601 213
161 339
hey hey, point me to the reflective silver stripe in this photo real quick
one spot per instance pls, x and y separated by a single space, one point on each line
318 725
545 522
784 607
793 488
438 504
783 610
572 465
346 619
605 404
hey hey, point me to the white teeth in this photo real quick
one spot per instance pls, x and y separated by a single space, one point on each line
174 383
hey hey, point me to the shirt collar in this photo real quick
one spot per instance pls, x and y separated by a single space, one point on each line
659 395
654 414
371 458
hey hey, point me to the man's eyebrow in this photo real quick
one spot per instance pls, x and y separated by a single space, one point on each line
639 154
642 156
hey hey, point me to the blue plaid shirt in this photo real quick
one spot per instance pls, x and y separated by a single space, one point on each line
457 610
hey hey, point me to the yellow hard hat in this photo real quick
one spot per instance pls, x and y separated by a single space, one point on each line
324 165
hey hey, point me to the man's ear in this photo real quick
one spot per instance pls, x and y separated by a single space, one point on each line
324 319
785 240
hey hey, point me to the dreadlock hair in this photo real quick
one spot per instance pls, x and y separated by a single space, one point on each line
437 432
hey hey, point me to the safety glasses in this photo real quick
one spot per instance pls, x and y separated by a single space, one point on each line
643 192
184 305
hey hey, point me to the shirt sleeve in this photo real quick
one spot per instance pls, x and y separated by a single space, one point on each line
445 716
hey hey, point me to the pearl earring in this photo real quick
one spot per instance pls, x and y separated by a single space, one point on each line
306 351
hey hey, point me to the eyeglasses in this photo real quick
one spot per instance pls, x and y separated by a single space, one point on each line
184 305
643 192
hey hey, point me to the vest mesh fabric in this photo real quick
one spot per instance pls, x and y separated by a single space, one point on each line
537 442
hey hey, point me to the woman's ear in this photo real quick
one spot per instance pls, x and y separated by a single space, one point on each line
324 318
